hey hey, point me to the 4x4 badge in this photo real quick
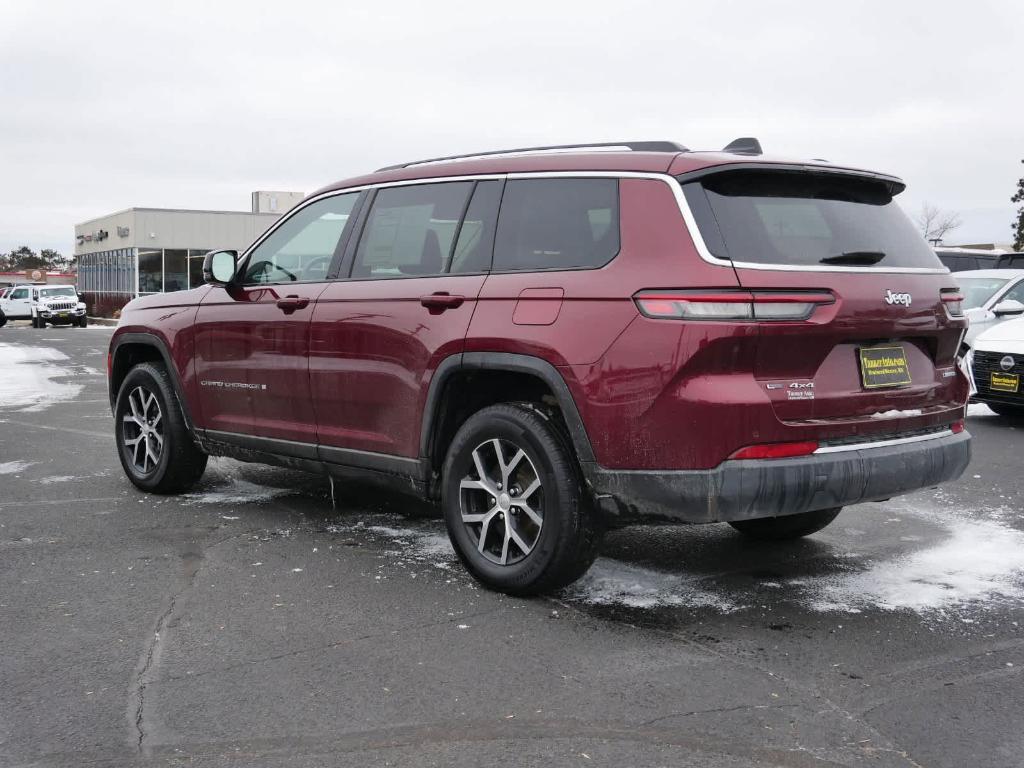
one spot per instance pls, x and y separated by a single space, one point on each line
897 298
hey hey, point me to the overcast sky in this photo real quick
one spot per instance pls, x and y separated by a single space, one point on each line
109 105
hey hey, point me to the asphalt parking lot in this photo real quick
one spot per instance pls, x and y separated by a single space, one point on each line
251 623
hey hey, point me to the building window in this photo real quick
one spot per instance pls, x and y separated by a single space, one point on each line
195 267
151 270
175 270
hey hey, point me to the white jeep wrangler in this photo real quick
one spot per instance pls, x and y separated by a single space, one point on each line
42 304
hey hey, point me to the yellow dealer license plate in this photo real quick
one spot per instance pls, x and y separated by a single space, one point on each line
884 367
1004 382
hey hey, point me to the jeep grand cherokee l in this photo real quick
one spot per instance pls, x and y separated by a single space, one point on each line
550 342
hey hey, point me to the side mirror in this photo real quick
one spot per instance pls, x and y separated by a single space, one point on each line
219 267
1008 307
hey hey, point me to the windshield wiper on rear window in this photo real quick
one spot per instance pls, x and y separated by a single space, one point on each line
854 257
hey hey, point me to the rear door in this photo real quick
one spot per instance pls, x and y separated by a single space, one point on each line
379 333
878 343
252 338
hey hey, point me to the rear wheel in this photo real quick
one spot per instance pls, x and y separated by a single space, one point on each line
513 502
153 440
3 319
788 526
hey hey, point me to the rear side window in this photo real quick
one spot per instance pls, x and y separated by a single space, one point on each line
805 219
410 230
557 224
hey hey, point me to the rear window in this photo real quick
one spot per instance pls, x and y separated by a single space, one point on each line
790 218
557 224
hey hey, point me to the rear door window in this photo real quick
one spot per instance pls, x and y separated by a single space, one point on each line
805 219
557 224
410 230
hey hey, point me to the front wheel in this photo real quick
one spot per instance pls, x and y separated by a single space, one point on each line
513 502
153 440
83 322
788 526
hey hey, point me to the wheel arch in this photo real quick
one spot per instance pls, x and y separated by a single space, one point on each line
526 376
130 349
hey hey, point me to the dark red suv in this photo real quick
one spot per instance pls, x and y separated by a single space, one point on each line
552 341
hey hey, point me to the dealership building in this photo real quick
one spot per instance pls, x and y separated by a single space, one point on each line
152 250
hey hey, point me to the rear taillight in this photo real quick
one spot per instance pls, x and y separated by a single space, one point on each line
730 304
776 450
953 300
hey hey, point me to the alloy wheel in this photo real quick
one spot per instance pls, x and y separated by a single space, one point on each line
142 430
501 501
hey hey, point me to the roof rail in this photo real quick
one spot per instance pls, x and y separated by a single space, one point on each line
605 146
748 145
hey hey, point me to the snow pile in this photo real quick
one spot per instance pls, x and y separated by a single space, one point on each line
896 414
610 582
28 381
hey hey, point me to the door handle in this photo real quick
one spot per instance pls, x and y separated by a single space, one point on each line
291 303
442 301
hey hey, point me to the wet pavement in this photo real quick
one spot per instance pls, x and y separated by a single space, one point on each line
253 623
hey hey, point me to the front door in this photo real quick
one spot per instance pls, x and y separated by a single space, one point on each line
18 303
252 337
378 336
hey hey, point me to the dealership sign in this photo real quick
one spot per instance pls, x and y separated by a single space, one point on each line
97 236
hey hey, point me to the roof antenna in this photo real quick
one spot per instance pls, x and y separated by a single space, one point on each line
745 146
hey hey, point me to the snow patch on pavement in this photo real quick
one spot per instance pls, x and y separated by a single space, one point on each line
979 409
56 479
236 491
979 560
13 467
611 582
29 382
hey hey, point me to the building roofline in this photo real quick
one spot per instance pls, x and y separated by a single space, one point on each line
174 210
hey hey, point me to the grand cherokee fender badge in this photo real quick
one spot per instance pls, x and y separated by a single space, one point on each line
231 384
897 298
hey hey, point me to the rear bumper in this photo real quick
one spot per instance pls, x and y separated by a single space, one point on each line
747 489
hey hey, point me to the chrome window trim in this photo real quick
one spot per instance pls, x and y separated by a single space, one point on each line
883 443
671 181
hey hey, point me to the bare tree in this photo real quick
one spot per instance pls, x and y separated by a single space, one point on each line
935 223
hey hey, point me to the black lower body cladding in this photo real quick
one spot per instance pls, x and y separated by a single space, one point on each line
749 489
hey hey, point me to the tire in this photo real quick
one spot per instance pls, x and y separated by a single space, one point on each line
83 322
37 322
3 319
178 464
1007 411
565 542
788 526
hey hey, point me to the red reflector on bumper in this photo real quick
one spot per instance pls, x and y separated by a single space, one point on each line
957 427
776 450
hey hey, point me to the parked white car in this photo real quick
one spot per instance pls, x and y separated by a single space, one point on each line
991 296
997 368
42 304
